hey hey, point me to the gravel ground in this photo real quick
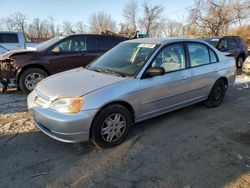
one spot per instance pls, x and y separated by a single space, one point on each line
192 147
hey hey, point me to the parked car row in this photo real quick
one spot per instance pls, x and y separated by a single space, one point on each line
116 82
134 81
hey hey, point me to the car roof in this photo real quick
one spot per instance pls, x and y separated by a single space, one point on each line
113 36
9 32
162 40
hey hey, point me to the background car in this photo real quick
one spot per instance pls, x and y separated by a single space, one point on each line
136 80
13 40
246 66
25 68
234 45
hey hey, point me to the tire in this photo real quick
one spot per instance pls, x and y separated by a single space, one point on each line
104 133
29 79
216 95
239 62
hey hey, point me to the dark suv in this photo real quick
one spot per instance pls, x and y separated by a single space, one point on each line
231 44
25 68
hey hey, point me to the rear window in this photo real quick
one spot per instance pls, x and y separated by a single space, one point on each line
117 40
212 41
8 38
96 43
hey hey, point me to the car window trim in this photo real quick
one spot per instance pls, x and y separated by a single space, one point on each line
159 51
49 49
189 59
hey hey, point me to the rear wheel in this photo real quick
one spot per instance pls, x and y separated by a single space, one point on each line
216 95
30 78
110 126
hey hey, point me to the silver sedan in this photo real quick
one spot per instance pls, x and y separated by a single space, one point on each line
137 80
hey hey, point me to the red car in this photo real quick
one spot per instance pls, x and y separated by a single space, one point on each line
25 68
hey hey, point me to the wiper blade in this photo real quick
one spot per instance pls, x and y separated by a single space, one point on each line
105 71
114 72
93 69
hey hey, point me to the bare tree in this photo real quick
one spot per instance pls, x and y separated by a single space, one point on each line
215 16
2 24
100 22
18 21
80 27
151 20
68 28
171 28
52 26
130 14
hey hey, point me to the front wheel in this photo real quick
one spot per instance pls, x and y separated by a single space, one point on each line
216 95
30 78
111 125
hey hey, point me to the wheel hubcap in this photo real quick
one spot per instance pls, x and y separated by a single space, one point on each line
217 93
32 79
113 127
240 61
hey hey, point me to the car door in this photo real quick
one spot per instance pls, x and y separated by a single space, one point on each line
160 94
70 53
204 67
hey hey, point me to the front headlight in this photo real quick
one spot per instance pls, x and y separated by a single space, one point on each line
67 105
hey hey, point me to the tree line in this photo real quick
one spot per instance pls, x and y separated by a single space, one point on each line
205 18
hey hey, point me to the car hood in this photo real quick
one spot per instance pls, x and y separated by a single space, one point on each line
74 83
11 53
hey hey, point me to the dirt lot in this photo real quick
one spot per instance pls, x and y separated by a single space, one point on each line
192 147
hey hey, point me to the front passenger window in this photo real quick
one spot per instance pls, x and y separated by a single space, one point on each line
171 58
72 45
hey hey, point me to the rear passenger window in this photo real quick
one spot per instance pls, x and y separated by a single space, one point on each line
8 38
99 43
198 54
213 56
232 43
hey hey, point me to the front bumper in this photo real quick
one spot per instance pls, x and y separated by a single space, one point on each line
69 128
8 72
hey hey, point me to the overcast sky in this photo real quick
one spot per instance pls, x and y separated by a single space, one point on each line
80 10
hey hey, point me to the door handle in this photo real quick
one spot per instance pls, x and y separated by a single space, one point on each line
215 69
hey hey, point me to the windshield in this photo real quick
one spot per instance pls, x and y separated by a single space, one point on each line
126 59
48 43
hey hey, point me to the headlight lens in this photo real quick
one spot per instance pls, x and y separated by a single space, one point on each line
67 105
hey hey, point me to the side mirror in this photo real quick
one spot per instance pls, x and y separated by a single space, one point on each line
56 50
154 71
